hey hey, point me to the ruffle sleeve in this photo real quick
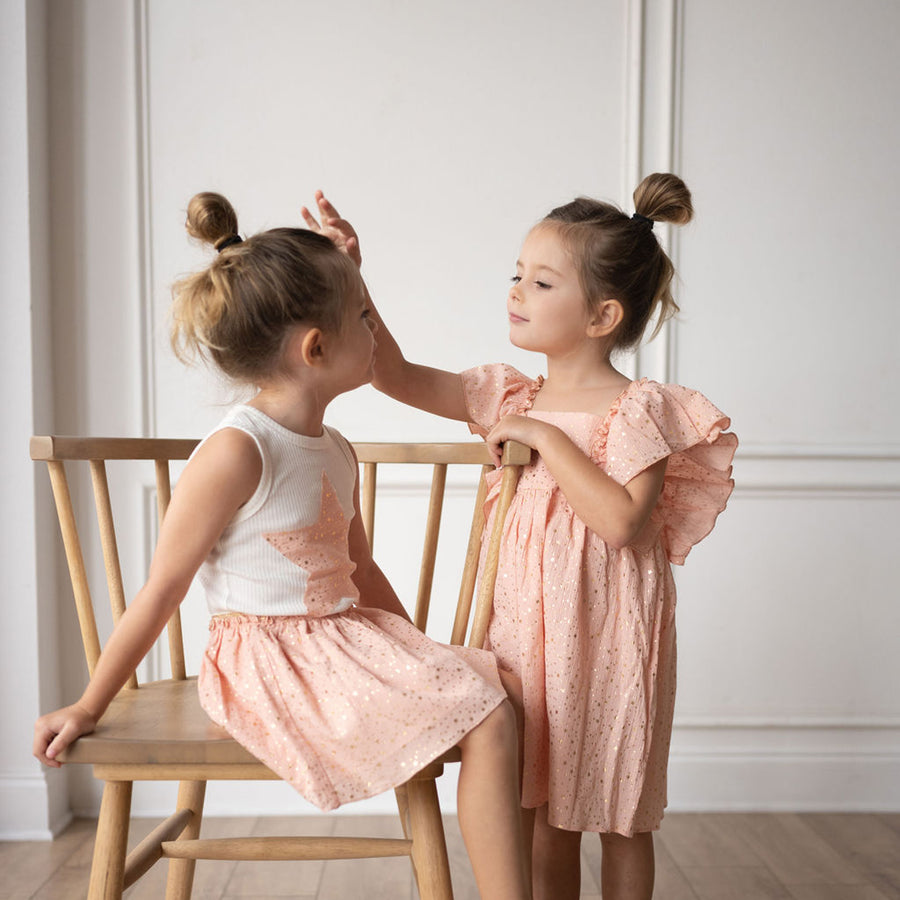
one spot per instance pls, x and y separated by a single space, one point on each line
652 421
494 391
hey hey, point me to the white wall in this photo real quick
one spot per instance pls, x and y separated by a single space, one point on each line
29 674
444 131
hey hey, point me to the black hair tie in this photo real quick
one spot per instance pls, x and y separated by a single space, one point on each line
639 218
227 242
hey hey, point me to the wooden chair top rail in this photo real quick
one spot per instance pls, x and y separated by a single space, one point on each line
52 448
437 453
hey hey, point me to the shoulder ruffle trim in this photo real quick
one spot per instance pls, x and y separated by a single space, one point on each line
669 421
597 448
521 401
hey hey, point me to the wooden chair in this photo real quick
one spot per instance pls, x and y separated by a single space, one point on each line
158 732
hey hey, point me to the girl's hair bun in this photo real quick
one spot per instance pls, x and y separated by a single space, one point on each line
618 256
238 309
211 218
664 197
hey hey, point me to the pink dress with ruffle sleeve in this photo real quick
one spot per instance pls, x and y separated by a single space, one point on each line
590 629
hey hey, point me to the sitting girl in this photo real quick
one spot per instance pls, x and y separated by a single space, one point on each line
312 662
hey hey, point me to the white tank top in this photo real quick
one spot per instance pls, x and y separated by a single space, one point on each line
285 552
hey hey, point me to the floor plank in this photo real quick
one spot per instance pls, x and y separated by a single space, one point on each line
709 840
868 843
791 850
698 857
735 883
671 883
31 868
835 892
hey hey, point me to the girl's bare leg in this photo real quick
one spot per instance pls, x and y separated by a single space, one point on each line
488 801
556 864
627 867
528 840
513 686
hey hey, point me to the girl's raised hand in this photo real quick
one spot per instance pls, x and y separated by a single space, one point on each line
334 227
55 731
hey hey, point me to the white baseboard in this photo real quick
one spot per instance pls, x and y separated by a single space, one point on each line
781 765
33 807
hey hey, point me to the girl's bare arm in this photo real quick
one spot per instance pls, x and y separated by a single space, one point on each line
216 482
433 390
616 512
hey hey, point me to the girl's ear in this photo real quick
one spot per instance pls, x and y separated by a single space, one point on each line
307 347
606 318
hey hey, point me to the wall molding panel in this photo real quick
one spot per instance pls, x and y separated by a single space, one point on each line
652 140
145 315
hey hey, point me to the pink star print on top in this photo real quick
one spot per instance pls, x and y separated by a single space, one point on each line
590 629
320 550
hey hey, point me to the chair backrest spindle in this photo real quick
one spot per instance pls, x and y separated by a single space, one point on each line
429 550
109 546
367 500
173 628
470 567
72 543
514 456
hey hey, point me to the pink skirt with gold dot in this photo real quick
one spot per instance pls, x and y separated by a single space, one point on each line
342 707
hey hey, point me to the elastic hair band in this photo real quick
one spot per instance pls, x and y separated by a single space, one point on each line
641 218
227 242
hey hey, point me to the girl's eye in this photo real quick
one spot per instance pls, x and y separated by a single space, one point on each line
541 284
366 313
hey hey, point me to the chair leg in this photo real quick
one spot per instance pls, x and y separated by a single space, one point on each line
180 880
403 808
429 851
108 865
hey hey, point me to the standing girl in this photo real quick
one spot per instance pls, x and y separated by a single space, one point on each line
627 477
312 662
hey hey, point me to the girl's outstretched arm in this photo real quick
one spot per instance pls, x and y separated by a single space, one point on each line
615 512
434 390
220 478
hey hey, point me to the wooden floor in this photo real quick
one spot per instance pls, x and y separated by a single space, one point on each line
699 857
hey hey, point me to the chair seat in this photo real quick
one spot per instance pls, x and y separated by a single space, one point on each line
159 722
162 723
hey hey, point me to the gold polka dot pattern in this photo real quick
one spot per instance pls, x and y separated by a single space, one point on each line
589 629
344 706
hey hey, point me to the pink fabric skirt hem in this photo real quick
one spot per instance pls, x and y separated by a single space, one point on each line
343 707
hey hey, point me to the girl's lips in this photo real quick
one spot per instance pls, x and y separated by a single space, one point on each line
515 319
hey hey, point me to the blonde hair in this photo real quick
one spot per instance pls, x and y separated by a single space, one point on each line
618 256
239 309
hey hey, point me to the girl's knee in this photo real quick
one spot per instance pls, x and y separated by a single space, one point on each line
620 843
498 728
558 840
